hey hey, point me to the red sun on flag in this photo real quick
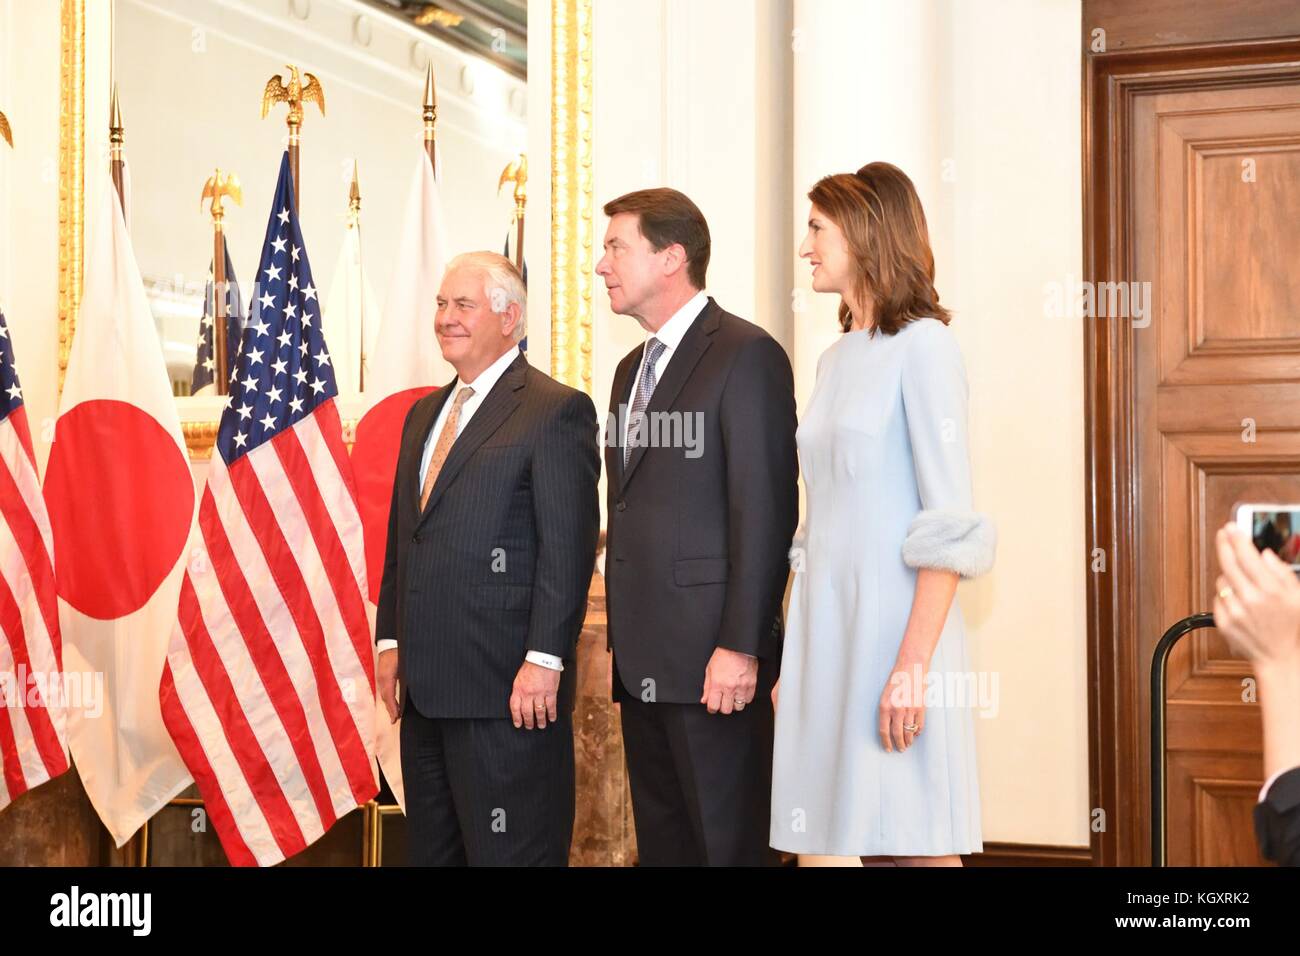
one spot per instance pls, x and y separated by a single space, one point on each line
374 464
110 562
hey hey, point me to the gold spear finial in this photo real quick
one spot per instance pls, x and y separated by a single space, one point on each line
221 184
516 172
116 128
5 131
354 193
295 93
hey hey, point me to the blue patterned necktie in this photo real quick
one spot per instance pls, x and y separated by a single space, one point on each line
644 389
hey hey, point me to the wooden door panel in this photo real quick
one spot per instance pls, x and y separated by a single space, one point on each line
1226 184
1215 203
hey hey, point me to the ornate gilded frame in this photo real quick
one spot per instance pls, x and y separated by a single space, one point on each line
571 195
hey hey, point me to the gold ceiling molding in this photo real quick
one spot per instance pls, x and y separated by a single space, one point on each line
571 193
72 142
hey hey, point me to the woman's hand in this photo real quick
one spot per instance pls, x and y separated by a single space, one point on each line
902 705
1258 602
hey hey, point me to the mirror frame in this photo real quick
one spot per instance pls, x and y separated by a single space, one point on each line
571 206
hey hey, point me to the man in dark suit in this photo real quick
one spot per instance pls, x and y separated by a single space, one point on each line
491 546
702 476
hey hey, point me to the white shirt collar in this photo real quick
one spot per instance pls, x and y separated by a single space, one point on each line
489 376
672 331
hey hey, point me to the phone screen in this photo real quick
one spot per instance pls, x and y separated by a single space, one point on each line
1279 531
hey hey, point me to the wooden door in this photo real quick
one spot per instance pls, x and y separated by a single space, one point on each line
1194 205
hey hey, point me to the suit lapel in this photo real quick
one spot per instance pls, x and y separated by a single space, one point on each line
499 404
685 357
425 416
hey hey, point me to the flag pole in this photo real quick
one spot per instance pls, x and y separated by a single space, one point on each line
116 144
354 213
295 93
217 186
517 172
430 117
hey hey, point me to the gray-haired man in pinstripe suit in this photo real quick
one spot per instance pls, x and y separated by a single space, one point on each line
491 545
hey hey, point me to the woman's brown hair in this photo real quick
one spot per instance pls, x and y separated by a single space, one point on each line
880 214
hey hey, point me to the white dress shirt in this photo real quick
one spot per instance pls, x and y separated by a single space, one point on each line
482 385
670 334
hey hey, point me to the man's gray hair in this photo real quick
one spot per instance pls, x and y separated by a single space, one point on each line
502 284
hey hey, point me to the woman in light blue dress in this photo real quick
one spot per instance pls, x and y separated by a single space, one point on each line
875 743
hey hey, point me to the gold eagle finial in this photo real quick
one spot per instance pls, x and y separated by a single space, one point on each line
295 93
221 184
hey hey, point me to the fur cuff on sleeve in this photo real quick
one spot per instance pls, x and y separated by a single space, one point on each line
798 547
961 541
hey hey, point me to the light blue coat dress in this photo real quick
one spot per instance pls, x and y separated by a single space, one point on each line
886 466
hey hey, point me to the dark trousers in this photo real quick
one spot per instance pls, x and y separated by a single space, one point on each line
480 792
701 783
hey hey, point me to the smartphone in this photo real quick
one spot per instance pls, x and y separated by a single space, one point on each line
1275 527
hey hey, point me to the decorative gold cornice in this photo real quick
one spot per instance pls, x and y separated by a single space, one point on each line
571 193
72 138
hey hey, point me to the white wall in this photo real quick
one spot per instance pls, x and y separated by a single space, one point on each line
29 203
733 103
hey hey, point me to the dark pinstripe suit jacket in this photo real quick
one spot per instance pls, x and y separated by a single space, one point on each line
500 561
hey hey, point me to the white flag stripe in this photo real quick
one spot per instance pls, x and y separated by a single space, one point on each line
20 466
338 500
251 697
289 644
40 649
29 755
342 653
248 818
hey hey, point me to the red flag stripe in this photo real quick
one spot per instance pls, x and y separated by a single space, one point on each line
14 778
18 418
41 724
256 770
326 419
23 509
280 557
252 563
214 802
342 575
282 696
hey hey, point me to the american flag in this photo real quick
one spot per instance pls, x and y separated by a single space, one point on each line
269 690
33 739
205 362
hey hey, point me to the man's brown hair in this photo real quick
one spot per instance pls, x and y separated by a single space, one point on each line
880 214
665 217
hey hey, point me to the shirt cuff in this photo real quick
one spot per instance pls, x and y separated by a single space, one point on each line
387 644
549 661
1263 791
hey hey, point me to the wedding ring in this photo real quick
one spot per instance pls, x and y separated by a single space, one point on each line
911 728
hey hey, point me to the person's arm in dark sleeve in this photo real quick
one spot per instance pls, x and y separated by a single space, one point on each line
566 470
758 434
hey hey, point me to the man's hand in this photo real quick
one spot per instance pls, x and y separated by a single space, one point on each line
386 681
532 700
730 681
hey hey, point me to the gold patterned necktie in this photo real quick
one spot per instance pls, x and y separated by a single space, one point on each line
445 440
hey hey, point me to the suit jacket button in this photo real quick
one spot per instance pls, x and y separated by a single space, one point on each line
415 538
621 505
